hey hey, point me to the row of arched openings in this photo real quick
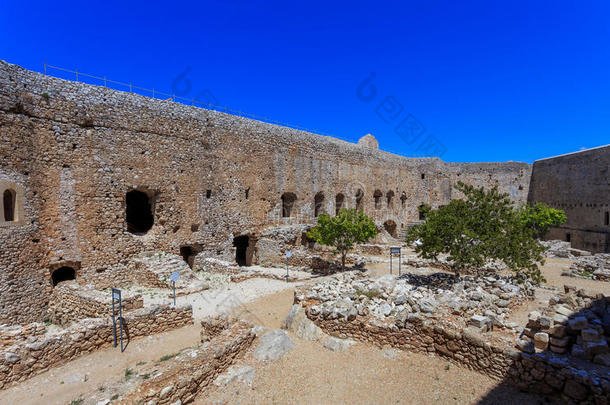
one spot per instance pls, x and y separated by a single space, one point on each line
289 201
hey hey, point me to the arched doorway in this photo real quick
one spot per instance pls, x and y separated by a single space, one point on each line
359 197
390 227
64 273
288 202
318 203
339 201
244 250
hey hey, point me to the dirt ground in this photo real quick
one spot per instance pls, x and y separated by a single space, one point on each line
309 374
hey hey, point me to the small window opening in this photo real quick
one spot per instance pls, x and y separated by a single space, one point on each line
288 200
139 214
247 193
8 202
208 193
377 196
568 237
339 201
63 274
403 200
423 176
318 204
390 199
607 218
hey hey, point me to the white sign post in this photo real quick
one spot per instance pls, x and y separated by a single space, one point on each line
173 278
288 255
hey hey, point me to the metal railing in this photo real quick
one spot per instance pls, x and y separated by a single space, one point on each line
152 93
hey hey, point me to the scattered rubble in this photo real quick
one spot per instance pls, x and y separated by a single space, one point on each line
594 267
562 249
435 296
574 322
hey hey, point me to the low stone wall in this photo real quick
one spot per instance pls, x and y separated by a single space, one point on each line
26 359
14 334
183 377
543 373
72 302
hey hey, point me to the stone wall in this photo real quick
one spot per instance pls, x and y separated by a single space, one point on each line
185 376
14 334
35 355
542 373
74 151
579 184
71 302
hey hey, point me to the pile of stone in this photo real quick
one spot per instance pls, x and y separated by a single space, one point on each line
433 296
575 322
444 264
153 269
595 267
559 248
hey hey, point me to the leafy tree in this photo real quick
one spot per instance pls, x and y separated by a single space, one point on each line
481 227
541 217
343 231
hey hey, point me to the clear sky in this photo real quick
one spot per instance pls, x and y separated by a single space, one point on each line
472 80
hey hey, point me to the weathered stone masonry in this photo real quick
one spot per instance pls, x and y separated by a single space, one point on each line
579 184
72 152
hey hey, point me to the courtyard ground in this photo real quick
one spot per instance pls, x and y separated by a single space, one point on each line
309 374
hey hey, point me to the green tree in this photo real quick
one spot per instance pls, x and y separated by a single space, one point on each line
541 217
343 231
481 227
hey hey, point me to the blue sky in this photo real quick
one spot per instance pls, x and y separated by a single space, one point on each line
484 81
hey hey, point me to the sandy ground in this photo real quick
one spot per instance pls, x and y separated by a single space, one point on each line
93 376
309 374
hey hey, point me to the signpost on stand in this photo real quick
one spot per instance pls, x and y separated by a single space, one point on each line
175 276
395 251
116 297
288 255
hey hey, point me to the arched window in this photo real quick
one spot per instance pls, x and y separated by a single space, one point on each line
339 201
359 197
390 198
403 199
288 201
377 196
8 203
318 204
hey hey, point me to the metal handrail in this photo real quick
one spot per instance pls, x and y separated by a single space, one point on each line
185 101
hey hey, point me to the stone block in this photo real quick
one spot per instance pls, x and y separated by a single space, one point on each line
525 346
545 323
558 331
590 335
578 323
594 348
603 359
575 390
560 309
560 342
560 319
541 340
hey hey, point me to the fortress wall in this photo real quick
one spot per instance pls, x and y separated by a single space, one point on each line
579 184
75 150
